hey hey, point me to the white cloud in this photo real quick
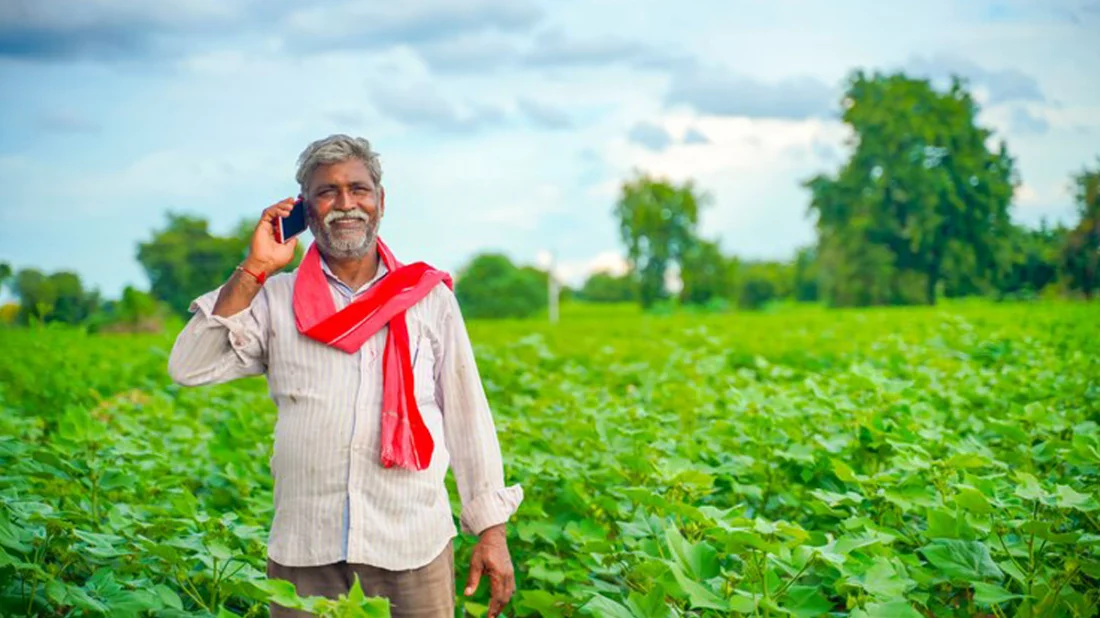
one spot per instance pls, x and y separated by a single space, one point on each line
575 272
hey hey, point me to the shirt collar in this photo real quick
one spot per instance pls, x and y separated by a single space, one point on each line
381 272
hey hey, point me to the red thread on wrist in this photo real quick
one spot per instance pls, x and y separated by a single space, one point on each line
260 278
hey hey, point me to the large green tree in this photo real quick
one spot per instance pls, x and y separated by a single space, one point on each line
55 297
491 286
1081 255
921 200
184 260
657 222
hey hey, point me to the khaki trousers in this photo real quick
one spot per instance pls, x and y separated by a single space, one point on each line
426 592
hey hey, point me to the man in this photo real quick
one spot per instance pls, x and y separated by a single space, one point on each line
370 365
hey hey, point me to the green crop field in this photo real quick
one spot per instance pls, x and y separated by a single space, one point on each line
885 463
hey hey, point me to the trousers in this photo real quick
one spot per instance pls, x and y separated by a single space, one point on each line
425 592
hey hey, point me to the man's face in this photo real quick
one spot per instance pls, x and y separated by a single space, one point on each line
345 207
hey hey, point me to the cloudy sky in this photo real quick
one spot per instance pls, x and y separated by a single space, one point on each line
503 125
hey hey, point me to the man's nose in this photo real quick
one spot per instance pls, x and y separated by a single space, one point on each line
344 201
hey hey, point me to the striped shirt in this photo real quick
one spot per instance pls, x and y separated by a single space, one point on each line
333 499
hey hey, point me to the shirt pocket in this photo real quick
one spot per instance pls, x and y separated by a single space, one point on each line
423 370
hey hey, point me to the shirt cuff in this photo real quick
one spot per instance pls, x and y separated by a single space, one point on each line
236 324
491 509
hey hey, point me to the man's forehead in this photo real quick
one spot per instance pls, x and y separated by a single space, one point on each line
342 172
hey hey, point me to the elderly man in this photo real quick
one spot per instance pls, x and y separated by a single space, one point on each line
370 365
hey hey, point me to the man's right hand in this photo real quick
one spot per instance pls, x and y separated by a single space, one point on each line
266 253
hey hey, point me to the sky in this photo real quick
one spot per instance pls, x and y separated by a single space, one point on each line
503 125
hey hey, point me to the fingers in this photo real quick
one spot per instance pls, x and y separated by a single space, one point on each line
496 594
279 209
474 579
502 586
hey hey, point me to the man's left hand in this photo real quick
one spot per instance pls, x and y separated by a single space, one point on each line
491 558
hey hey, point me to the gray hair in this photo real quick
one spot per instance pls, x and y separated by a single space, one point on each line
337 149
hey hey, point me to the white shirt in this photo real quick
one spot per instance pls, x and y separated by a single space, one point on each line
333 498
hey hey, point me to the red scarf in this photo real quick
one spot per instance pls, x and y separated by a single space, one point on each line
406 441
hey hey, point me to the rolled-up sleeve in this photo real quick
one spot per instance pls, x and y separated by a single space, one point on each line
212 349
469 430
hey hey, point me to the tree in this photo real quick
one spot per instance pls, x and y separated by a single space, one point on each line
184 260
604 287
657 222
921 200
761 282
707 275
5 273
1081 255
491 286
57 297
1033 262
806 275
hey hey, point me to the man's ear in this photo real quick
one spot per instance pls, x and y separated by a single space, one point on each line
381 201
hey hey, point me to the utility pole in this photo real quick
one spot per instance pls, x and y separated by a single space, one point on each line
553 288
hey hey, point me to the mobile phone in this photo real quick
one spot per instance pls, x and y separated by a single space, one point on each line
292 224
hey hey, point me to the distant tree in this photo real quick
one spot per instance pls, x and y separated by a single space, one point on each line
921 199
57 297
602 287
657 223
761 282
1081 255
707 275
9 313
491 286
1033 261
5 273
806 275
184 260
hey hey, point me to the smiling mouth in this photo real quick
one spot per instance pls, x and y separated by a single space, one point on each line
348 223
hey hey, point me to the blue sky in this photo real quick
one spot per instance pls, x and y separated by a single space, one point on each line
503 125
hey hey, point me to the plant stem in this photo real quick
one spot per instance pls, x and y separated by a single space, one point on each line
1001 538
1053 596
1031 552
779 593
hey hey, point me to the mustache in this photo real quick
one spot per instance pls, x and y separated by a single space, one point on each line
343 216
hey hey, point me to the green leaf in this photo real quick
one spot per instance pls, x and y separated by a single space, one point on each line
281 592
989 594
550 576
475 609
698 595
540 603
699 560
602 606
893 609
885 582
219 551
11 536
168 596
651 605
1069 498
1029 488
961 560
804 602
1044 530
973 500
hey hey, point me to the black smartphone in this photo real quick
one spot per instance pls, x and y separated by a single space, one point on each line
292 224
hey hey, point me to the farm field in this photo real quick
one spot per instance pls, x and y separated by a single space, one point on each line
805 462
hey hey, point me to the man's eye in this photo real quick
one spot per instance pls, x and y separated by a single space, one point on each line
361 191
